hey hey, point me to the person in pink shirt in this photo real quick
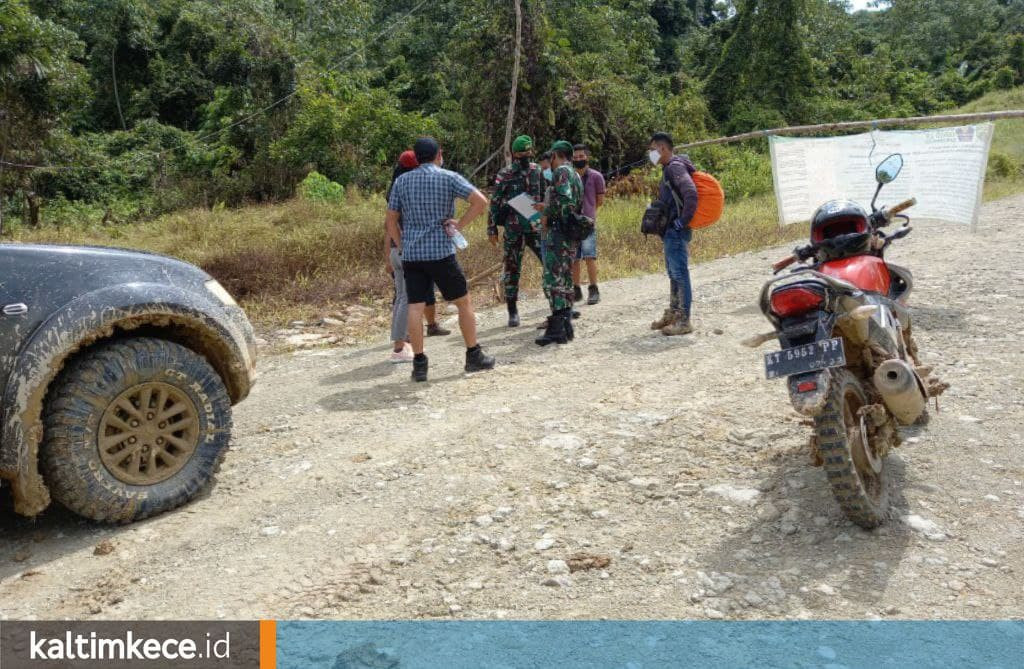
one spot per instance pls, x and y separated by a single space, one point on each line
593 198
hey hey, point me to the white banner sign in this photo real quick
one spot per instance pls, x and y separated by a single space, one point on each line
943 168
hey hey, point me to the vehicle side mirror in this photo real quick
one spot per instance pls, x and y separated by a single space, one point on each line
889 169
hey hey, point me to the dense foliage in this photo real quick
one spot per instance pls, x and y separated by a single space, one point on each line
160 104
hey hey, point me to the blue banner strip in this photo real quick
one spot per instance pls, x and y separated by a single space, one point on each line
651 645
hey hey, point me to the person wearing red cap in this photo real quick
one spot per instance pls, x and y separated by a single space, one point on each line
402 351
408 161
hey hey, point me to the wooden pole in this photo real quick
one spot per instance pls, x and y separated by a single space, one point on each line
852 125
510 119
484 164
486 272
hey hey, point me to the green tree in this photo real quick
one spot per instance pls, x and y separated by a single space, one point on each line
764 74
41 87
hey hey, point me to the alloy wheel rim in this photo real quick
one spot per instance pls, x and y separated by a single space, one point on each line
148 433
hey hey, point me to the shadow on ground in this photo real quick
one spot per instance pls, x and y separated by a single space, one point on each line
27 545
383 396
818 563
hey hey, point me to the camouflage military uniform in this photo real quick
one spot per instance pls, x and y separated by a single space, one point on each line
564 196
520 233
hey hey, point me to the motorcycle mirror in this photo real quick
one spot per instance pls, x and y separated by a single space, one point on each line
889 169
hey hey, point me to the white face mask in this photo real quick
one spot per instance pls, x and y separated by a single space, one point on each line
655 156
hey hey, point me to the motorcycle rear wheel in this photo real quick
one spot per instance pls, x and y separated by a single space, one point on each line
862 492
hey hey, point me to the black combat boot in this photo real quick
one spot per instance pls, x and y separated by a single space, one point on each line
577 294
477 360
593 294
419 368
513 313
570 333
555 332
435 330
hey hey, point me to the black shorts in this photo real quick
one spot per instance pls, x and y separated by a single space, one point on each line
422 275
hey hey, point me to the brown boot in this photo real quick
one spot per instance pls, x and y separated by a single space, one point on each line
680 325
665 319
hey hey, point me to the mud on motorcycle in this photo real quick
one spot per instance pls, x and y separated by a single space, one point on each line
848 354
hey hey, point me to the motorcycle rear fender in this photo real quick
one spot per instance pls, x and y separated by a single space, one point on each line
814 327
811 402
810 327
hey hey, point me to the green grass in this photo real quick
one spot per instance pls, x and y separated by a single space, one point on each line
1006 161
299 259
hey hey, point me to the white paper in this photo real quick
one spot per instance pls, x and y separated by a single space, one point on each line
943 168
523 204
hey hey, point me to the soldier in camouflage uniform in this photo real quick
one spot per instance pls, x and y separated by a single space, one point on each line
522 176
565 195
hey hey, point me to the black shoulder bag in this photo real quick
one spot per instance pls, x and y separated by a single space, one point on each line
656 218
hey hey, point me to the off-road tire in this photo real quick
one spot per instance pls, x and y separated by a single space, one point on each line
863 498
78 405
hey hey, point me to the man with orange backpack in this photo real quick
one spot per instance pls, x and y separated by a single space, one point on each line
678 194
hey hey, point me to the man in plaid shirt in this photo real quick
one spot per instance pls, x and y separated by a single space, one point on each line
424 200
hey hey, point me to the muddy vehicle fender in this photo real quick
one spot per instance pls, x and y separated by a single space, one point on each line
190 318
808 392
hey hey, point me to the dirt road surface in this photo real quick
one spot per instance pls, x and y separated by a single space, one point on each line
679 472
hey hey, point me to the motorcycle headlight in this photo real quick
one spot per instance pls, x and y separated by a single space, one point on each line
220 293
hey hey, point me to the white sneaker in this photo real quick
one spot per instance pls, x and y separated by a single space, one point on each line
405 355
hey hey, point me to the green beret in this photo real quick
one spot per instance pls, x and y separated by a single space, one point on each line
522 143
561 145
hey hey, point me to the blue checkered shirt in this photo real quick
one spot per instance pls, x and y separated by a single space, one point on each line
425 198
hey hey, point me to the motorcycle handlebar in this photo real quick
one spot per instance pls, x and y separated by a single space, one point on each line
906 204
784 263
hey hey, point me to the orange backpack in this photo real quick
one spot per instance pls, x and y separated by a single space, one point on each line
710 200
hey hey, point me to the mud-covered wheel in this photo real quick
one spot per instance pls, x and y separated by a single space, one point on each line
134 428
857 477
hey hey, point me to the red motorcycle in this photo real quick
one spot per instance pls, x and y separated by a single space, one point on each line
848 354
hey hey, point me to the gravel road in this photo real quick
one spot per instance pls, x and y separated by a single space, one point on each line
626 475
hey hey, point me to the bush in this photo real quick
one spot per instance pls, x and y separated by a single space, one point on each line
318 188
1002 166
1002 79
748 116
743 172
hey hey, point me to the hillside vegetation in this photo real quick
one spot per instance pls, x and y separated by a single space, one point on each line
253 137
308 256
144 107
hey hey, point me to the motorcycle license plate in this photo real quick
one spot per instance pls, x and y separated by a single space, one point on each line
805 358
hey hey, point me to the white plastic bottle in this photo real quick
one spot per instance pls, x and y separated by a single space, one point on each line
461 243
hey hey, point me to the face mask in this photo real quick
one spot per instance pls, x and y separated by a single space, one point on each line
579 164
524 162
548 174
655 156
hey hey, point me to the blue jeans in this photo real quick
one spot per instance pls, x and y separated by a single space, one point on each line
677 262
587 249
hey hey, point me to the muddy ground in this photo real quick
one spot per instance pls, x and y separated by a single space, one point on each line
678 471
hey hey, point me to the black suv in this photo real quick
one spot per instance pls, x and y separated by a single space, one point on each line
118 372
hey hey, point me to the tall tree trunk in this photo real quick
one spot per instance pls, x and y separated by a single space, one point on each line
515 83
113 76
33 208
3 153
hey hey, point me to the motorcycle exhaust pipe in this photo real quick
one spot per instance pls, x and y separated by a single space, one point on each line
901 390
